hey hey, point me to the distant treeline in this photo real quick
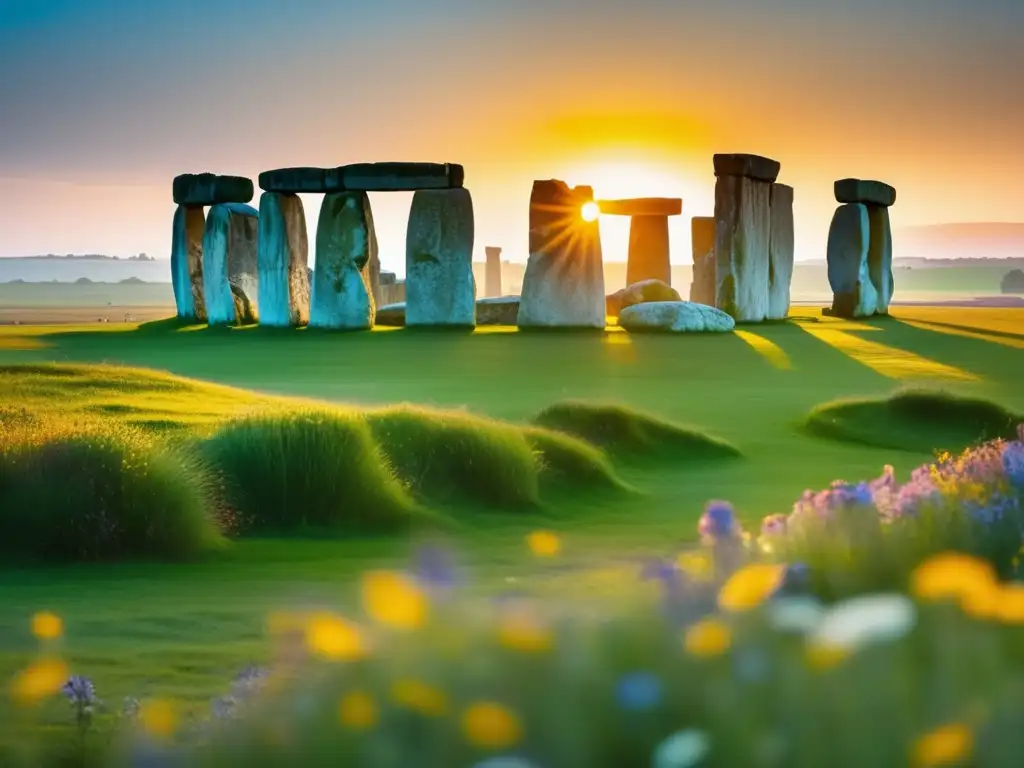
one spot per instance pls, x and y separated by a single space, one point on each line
86 257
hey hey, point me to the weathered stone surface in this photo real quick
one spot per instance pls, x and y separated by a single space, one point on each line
648 254
230 264
864 191
492 272
642 206
703 286
345 241
211 189
748 166
401 177
780 251
391 315
295 180
439 287
187 262
880 256
498 310
742 231
640 293
853 294
674 316
387 278
563 286
283 258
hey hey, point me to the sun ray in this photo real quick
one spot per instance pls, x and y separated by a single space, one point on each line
1007 341
767 348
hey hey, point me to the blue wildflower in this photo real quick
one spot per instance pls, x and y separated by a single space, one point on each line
718 522
434 567
1013 463
638 691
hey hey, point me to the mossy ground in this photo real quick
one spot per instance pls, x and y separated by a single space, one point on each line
184 629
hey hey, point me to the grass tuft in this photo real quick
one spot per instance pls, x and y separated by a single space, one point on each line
626 432
569 462
918 420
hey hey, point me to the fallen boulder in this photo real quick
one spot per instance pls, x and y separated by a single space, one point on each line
674 317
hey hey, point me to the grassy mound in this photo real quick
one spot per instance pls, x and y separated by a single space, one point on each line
80 492
309 471
922 421
625 432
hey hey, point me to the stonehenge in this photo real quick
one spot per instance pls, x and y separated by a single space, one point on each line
282 258
703 287
648 255
492 274
859 251
342 297
230 272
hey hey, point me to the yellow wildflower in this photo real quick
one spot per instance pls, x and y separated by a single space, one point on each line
544 543
47 625
707 638
394 599
1010 604
521 629
822 656
42 679
946 745
952 575
159 718
750 586
491 726
331 636
696 565
420 697
357 710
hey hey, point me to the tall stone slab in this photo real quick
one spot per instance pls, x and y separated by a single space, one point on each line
703 285
853 293
880 256
742 231
492 272
283 257
648 254
345 244
230 264
439 289
780 251
187 262
563 286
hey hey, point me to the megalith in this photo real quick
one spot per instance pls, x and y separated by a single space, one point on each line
703 284
283 257
187 262
780 251
230 264
880 256
205 189
492 272
853 293
439 289
742 232
648 254
563 286
345 239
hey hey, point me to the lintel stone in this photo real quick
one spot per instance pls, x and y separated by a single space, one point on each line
296 180
642 206
864 191
749 166
211 189
401 177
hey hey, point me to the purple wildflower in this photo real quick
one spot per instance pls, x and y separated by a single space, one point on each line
435 567
1013 462
774 525
79 691
718 522
638 691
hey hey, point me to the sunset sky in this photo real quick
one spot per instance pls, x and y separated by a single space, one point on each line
102 102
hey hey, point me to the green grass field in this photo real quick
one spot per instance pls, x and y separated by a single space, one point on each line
182 629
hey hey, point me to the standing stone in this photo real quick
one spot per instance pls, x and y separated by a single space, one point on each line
200 189
702 241
742 230
230 264
853 294
187 262
283 255
648 254
563 286
492 273
880 256
439 287
345 242
373 270
780 251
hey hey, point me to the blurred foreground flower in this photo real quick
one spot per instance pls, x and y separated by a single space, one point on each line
419 697
39 681
946 745
158 718
332 637
357 710
47 626
860 620
544 543
750 586
799 614
394 600
707 638
684 749
491 726
952 576
638 691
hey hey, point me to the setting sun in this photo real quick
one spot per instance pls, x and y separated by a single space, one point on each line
590 211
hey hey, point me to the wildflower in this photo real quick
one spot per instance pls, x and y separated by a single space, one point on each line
419 697
544 543
697 565
47 625
951 575
491 726
333 637
159 718
859 620
435 568
357 710
683 749
522 629
130 708
1013 461
395 600
820 656
750 586
638 691
707 638
795 614
79 691
39 681
946 745
718 522
1010 604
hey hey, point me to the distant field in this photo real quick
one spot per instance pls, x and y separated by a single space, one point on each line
24 295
